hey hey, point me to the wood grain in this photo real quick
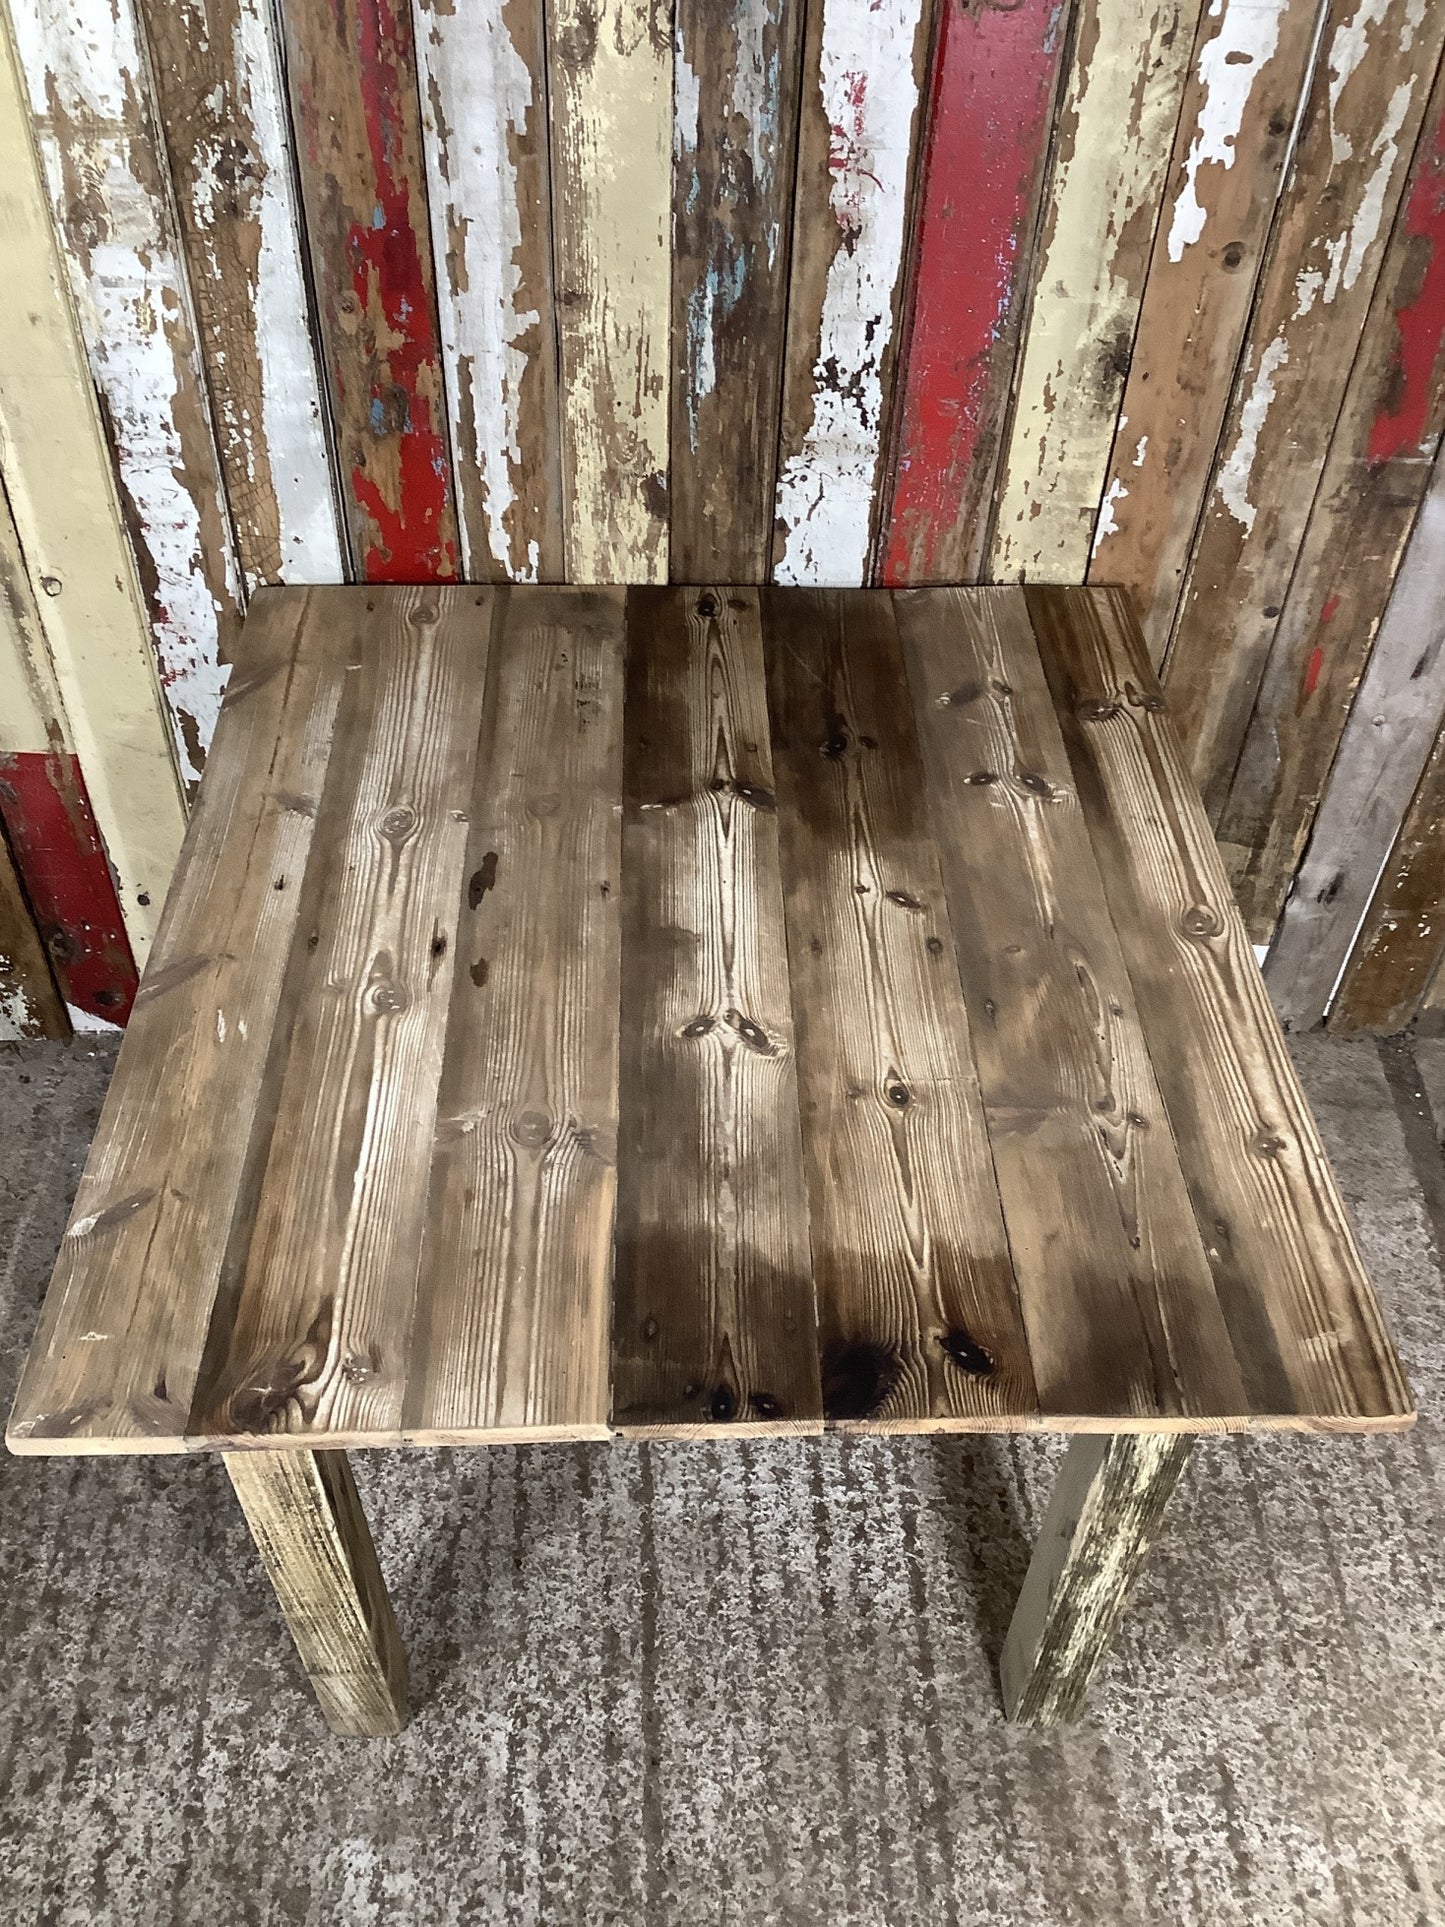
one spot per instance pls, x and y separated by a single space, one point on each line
994 93
714 1325
918 1310
1107 1507
169 1173
1116 1290
609 66
1304 1322
312 1341
352 71
30 1004
1248 68
513 1333
305 1515
1366 102
484 118
1112 152
735 117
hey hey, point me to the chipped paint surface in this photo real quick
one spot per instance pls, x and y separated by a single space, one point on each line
1229 65
1238 465
484 115
1403 424
870 96
1114 143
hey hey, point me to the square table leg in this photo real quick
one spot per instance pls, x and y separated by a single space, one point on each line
305 1515
1102 1519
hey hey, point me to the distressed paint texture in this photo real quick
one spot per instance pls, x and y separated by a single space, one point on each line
30 1006
1247 71
357 116
610 74
1374 479
862 98
1114 141
1366 104
219 94
734 147
484 114
995 83
85 76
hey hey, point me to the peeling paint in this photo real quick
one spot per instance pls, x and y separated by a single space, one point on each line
1237 466
1403 425
1228 68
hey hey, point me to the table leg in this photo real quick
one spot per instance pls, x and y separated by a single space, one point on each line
1102 1519
305 1515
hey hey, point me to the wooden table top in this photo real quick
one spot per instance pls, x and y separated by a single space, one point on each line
689 1011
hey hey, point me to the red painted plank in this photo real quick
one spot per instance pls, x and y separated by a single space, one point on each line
62 862
995 79
1400 426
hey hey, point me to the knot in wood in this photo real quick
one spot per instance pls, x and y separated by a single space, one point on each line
1035 784
699 1026
1268 1144
1200 920
531 1129
707 606
1097 709
387 997
981 778
422 614
398 822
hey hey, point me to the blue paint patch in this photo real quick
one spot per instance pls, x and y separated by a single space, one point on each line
378 219
378 416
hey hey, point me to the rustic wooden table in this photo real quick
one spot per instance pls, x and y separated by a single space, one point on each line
688 1013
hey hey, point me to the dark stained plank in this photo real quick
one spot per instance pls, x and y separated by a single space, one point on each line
122 1331
30 1004
1305 1324
352 69
513 1333
312 1341
1116 1289
714 1325
918 1313
735 92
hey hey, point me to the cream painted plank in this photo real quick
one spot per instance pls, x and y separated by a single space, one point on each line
864 67
484 110
61 488
1114 141
610 79
84 69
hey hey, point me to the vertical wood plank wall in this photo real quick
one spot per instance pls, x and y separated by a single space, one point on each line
1146 292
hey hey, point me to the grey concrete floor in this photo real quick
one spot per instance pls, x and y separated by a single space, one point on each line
744 1684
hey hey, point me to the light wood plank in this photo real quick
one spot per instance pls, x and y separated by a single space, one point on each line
170 1173
312 1342
919 1321
484 117
1116 1290
714 1324
1366 102
864 71
609 66
1104 1515
305 1515
735 87
514 1324
1112 149
1249 66
1305 1324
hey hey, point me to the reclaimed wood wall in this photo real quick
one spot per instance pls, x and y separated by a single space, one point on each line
1146 292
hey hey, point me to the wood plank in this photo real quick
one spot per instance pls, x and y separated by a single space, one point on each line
864 74
1402 940
1396 715
220 97
305 1515
352 71
122 1330
996 73
311 1343
30 1004
714 1325
1366 102
918 1313
1305 1325
735 112
1116 1290
1112 150
484 116
1374 480
60 488
609 67
103 163
1248 69
513 1333
1105 1513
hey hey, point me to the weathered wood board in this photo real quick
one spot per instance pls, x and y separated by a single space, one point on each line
30 1002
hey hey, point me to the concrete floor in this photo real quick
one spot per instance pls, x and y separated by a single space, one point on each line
745 1684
